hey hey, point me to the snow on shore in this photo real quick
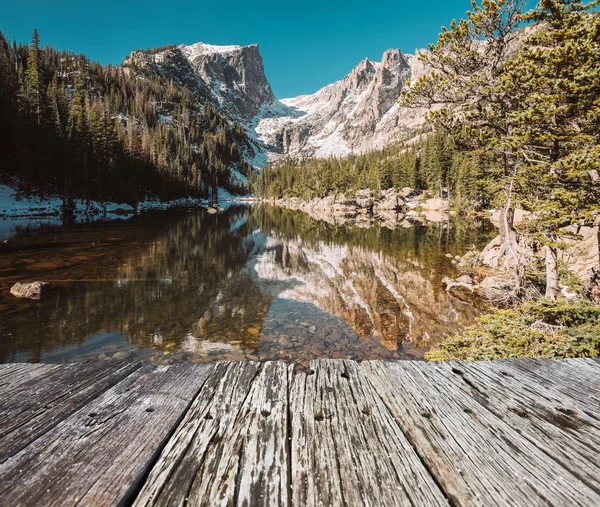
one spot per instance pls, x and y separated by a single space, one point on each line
20 212
15 204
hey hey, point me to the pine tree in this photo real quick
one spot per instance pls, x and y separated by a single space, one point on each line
77 131
8 107
557 125
467 97
34 85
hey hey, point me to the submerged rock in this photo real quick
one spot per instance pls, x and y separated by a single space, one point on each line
30 290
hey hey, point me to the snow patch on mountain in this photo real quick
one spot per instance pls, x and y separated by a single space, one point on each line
201 48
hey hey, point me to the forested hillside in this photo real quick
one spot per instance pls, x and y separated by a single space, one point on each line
74 127
433 163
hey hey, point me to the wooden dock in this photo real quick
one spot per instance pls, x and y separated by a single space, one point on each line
518 432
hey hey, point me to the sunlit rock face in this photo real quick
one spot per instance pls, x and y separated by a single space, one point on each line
358 113
232 77
235 74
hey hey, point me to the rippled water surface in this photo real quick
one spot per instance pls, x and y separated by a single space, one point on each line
246 283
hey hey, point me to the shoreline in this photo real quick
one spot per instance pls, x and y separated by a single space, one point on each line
33 212
390 208
14 205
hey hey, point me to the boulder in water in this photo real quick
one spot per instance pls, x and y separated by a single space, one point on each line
30 290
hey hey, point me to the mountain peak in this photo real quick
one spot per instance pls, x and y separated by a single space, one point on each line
365 64
354 114
234 74
202 48
391 57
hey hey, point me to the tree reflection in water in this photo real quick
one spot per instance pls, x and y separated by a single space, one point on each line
249 282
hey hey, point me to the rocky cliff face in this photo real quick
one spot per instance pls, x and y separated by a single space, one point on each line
355 114
235 75
232 77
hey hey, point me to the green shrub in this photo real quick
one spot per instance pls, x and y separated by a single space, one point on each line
555 329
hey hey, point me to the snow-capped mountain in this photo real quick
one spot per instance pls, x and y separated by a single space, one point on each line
355 114
232 77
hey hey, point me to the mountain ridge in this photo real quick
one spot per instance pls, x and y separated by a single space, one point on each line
352 115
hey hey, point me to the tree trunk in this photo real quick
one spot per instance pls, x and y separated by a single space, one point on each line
551 273
509 238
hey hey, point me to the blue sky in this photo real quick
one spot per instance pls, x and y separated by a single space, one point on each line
305 44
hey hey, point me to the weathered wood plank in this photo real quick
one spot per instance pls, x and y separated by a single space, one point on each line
15 374
231 448
476 456
563 376
547 418
560 380
262 472
504 433
99 455
346 447
49 395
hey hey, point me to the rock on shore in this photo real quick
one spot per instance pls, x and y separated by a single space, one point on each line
390 208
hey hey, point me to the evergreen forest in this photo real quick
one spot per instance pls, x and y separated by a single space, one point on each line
433 162
72 127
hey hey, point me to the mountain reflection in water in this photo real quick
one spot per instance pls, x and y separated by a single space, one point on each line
247 283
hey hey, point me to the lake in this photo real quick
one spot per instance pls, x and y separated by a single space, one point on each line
250 282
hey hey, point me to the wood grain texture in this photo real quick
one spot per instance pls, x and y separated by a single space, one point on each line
477 457
34 403
576 379
346 447
12 375
512 432
551 421
232 446
98 455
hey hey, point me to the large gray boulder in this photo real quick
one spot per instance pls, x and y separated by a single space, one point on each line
364 199
436 205
30 290
389 201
